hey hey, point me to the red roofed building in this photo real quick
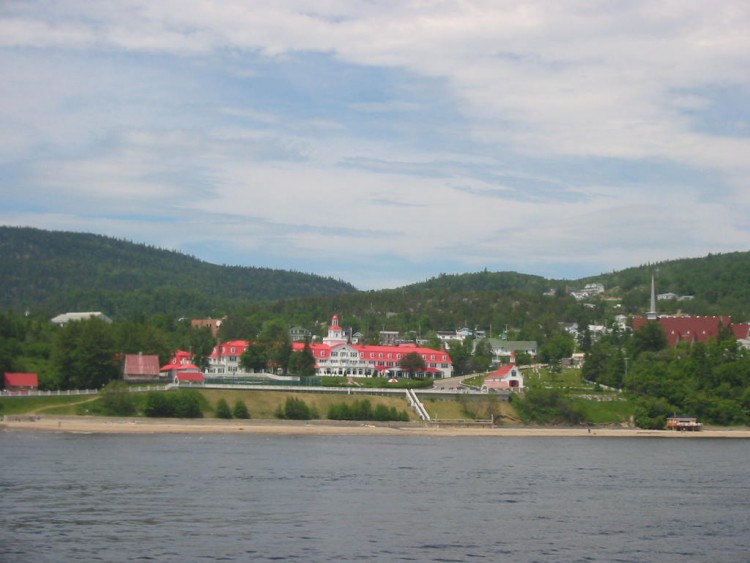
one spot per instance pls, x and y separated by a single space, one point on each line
505 377
741 331
21 381
184 373
690 329
141 368
687 329
335 356
181 357
225 357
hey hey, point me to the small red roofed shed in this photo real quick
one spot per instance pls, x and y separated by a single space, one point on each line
505 377
141 367
21 381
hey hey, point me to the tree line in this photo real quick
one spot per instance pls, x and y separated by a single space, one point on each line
710 380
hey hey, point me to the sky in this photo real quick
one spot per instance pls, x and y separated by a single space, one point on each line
383 142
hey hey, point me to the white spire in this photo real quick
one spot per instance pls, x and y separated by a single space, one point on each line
652 314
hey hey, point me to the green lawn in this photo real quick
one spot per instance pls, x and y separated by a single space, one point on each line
608 412
64 404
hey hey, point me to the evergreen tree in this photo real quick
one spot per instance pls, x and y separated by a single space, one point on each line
222 409
302 363
240 410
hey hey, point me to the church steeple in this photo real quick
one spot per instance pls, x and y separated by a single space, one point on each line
652 315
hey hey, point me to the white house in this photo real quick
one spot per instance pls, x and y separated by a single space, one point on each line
504 349
506 377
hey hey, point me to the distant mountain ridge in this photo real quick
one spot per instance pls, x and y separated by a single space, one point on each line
63 271
52 272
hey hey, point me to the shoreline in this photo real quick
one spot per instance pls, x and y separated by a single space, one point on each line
132 425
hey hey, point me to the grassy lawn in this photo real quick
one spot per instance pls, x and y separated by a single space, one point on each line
607 412
43 405
470 408
376 382
566 378
263 404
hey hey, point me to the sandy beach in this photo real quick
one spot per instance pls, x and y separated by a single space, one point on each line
80 424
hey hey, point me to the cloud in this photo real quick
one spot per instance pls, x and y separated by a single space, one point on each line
412 136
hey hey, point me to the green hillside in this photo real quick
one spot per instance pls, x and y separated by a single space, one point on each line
51 272
718 284
62 271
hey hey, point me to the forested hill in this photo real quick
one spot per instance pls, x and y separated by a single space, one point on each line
54 272
718 284
485 281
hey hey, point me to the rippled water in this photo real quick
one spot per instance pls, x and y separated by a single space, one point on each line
258 498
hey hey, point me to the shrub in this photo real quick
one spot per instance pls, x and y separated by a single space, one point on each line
182 404
116 399
240 410
158 405
187 404
362 410
296 409
222 409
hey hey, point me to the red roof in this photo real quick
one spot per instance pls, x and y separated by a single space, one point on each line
140 364
372 353
181 368
692 329
21 380
190 376
501 372
741 330
226 348
181 357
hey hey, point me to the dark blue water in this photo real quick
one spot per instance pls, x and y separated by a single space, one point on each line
257 498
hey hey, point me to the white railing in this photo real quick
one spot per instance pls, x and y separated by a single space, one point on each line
72 392
37 393
417 405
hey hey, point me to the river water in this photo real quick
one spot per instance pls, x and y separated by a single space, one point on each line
162 497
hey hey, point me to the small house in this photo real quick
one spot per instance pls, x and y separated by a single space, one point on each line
141 368
21 381
507 377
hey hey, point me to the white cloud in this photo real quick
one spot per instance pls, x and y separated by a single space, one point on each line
494 121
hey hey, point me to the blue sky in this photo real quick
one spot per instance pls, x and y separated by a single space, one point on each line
383 143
